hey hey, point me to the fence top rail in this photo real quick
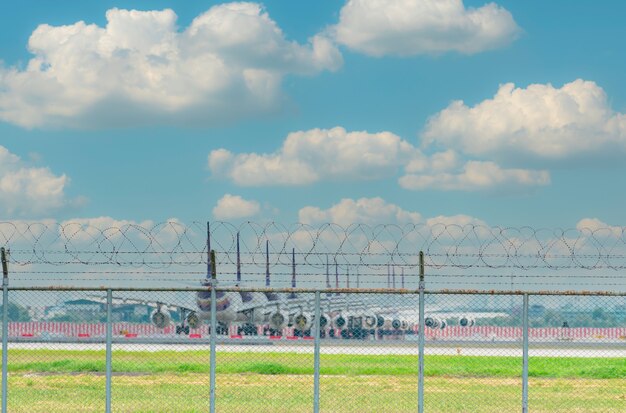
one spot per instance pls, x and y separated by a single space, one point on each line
323 290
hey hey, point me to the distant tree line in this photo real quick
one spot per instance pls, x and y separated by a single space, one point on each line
16 312
598 317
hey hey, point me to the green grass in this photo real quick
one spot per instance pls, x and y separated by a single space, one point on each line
73 381
64 361
294 393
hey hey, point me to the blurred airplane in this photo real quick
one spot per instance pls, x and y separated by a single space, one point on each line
342 314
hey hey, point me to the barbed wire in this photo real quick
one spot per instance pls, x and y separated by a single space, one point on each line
166 244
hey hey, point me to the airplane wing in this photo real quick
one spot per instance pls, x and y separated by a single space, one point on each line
155 303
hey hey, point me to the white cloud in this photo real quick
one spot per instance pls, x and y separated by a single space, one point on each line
316 154
104 223
78 231
29 191
538 122
476 175
598 228
139 68
460 220
364 210
235 207
410 27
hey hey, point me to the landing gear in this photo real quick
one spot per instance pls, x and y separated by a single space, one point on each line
222 328
182 328
275 333
302 333
248 329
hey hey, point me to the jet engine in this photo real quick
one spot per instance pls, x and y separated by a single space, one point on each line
370 321
303 321
339 321
193 321
388 323
161 317
278 320
324 320
355 321
433 322
466 321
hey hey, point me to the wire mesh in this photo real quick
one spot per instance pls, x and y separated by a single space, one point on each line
265 351
56 351
577 353
473 354
369 353
265 363
2 366
160 353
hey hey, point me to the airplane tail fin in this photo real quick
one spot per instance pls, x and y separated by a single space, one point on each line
270 296
238 262
267 263
210 262
336 275
213 267
327 274
293 272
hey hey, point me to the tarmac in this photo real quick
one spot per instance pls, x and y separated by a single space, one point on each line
329 346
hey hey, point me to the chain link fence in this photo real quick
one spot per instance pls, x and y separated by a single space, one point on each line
302 350
84 328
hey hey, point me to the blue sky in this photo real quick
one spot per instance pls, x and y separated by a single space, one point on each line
182 113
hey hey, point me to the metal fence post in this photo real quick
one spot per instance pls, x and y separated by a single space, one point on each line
421 342
5 328
316 355
525 356
109 338
212 345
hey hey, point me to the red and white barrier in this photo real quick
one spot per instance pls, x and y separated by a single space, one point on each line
37 328
534 333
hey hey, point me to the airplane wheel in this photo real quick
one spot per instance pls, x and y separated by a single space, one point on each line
186 330
222 328
178 330
249 330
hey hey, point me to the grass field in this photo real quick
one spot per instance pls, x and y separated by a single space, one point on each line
68 381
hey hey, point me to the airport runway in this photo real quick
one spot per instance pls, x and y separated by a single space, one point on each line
508 349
